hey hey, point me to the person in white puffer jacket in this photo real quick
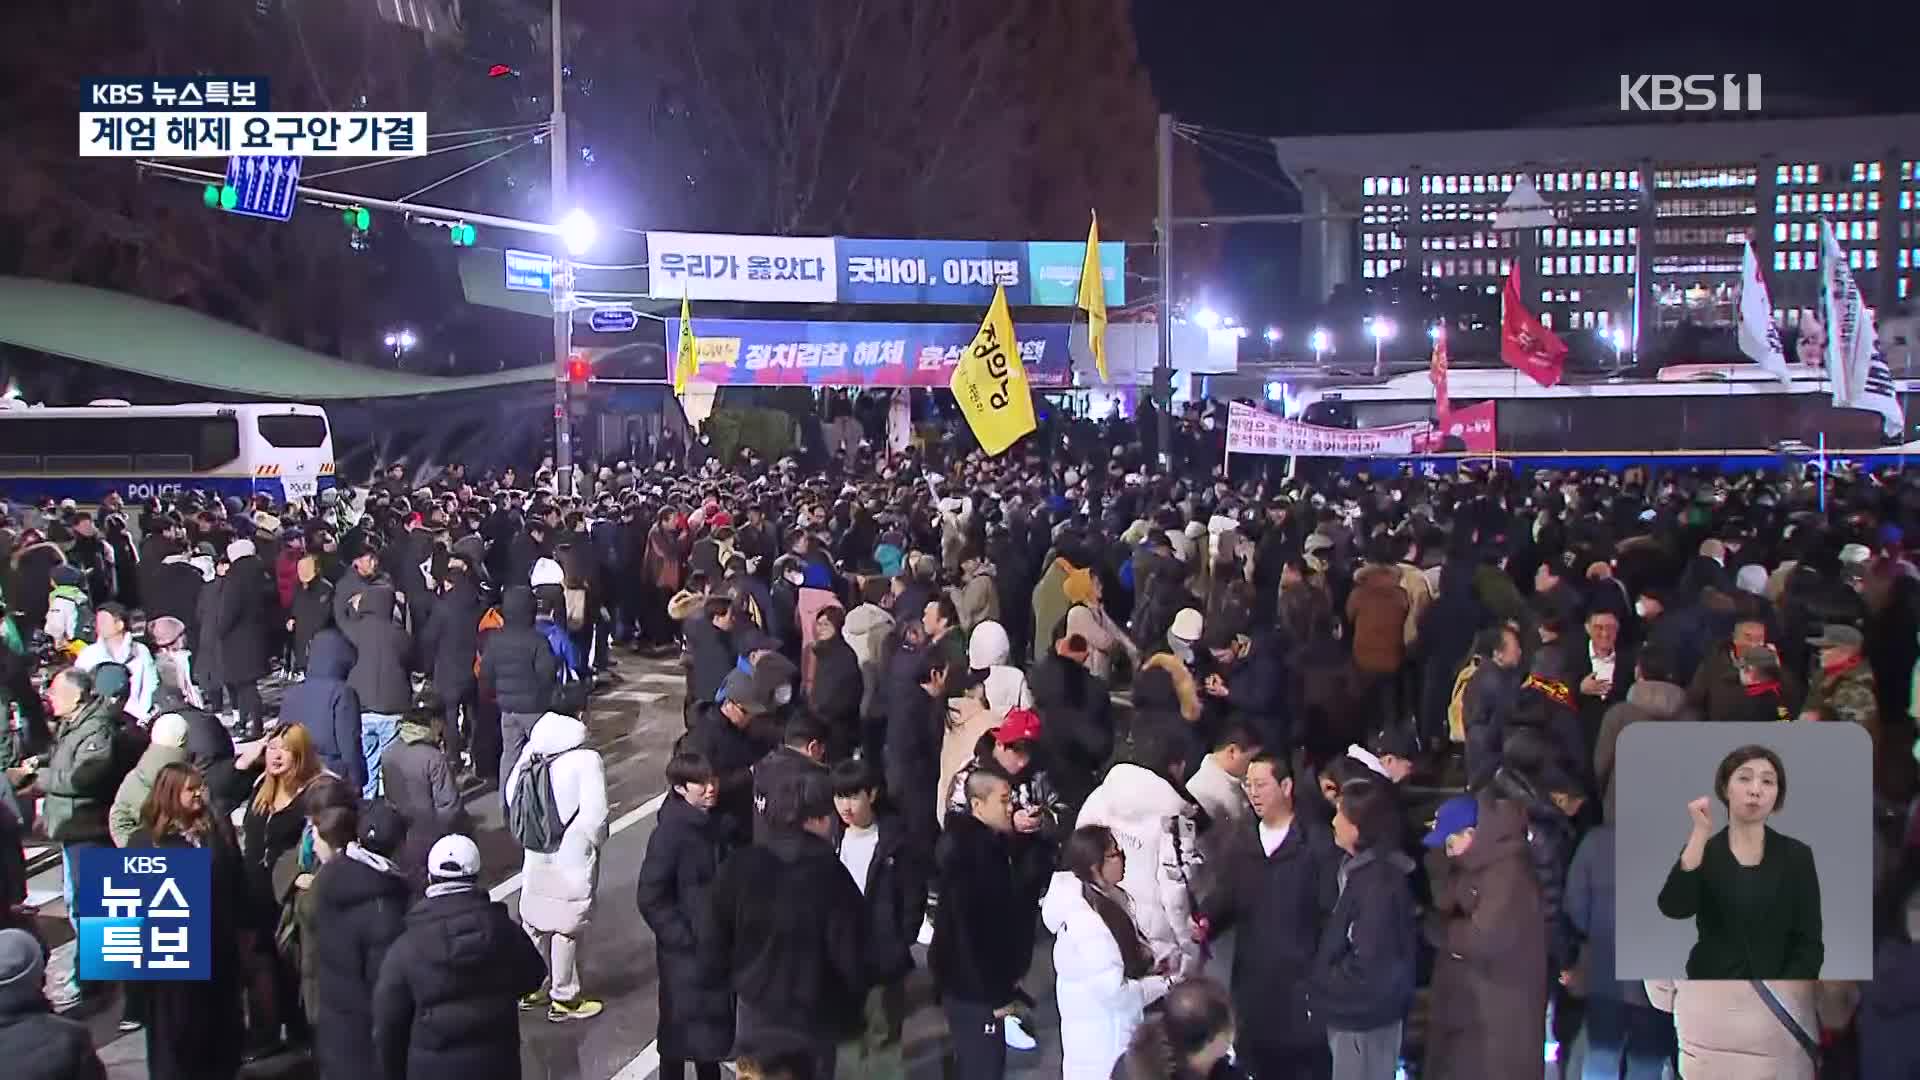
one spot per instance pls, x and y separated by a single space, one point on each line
1103 968
1156 828
557 890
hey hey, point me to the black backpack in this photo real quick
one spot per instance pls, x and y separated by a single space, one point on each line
534 816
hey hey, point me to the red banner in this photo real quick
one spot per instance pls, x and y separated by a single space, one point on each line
1526 344
1474 427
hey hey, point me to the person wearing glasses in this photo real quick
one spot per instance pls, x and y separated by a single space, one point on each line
1105 973
1752 892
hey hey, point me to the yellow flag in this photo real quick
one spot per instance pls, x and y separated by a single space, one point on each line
991 383
686 360
1093 298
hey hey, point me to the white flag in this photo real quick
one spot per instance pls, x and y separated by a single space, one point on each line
1861 379
1759 334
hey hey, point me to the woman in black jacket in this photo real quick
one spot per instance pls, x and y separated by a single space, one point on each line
1753 893
312 607
837 687
247 599
449 646
1362 980
190 1029
683 856
359 908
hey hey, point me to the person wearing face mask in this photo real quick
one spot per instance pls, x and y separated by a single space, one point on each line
1759 925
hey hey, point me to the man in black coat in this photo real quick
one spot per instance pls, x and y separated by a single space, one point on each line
448 644
245 622
36 1044
381 677
446 1002
873 846
788 924
518 671
1272 881
711 652
724 732
1600 671
683 858
1076 732
980 949
359 910
802 753
838 686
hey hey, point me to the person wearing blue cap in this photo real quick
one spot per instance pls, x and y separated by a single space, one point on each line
1489 992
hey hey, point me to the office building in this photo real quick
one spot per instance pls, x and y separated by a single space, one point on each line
1650 216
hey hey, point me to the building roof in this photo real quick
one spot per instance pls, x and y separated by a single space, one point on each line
1615 145
172 343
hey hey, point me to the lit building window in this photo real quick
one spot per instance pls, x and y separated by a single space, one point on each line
1546 296
1873 201
1591 264
1855 229
1873 229
1796 204
1813 259
1859 201
1854 258
1813 174
1779 232
1563 182
1873 258
1559 238
1779 204
1799 174
1903 281
1780 174
1859 171
1873 172
1780 260
1793 260
1574 295
1366 241
1366 268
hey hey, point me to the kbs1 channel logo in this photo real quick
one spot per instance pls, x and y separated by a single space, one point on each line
224 116
144 914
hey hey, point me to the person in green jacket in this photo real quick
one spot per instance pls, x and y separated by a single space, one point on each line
168 744
79 779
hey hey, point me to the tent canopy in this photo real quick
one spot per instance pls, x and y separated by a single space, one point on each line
172 343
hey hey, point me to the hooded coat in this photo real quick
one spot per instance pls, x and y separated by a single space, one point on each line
382 664
35 1043
245 620
329 708
359 910
988 649
683 858
866 631
518 668
123 820
557 889
416 778
1154 824
446 1003
1099 1006
451 639
1488 1002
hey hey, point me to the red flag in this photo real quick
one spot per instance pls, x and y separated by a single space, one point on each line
1437 374
1526 344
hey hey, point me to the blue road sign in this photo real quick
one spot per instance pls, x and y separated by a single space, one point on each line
529 271
613 320
265 185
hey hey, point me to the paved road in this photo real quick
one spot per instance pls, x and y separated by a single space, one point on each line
634 724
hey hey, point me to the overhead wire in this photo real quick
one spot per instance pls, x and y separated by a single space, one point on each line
1238 164
501 129
395 161
488 160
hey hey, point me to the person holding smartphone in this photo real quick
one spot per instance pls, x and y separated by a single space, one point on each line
1753 892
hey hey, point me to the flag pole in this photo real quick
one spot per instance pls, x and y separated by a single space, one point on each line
1823 472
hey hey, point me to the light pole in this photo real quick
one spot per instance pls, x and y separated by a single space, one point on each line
562 276
1382 332
1322 341
1273 339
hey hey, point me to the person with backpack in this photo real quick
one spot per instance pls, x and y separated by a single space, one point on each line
557 811
69 620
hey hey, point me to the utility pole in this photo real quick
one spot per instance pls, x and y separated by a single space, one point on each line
562 278
1163 366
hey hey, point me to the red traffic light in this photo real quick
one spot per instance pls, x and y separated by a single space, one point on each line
578 370
499 71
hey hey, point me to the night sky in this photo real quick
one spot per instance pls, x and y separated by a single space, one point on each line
1281 68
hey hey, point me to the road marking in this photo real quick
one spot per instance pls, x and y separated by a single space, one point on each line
620 824
661 678
642 1066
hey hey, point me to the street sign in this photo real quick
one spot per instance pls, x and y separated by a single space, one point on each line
264 186
529 271
613 320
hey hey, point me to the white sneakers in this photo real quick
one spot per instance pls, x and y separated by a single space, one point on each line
1017 1037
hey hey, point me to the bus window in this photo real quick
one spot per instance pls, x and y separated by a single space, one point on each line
293 431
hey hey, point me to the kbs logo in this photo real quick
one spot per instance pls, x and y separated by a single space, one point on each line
1689 93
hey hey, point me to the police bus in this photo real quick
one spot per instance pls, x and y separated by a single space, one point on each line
1720 416
143 451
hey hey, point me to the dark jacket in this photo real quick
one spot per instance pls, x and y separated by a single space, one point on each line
210 749
1076 730
1363 968
711 656
312 613
683 858
1649 699
173 588
1550 842
190 1023
38 1045
785 930
451 639
1717 694
446 1002
518 668
1774 936
1487 707
208 669
976 955
896 900
416 778
1592 912
837 690
329 707
358 912
1889 1007
732 752
383 654
1276 905
245 621
1488 998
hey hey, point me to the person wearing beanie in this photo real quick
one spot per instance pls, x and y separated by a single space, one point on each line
359 906
35 1043
167 743
446 1001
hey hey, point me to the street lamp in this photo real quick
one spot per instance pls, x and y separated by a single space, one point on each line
1435 333
1273 335
1382 332
1321 341
578 231
400 341
1206 318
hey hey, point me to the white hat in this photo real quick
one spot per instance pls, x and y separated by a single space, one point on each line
1752 578
1855 553
169 729
1365 757
1188 625
239 549
546 572
452 858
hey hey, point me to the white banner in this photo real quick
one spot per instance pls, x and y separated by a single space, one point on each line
1256 431
244 134
723 266
1861 379
1759 335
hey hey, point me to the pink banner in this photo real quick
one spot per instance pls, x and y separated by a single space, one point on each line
1256 431
1474 427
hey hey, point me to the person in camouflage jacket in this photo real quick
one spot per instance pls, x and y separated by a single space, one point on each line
1842 687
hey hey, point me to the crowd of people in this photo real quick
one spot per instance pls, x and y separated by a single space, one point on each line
1351 814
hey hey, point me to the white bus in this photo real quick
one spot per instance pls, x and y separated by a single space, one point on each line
142 451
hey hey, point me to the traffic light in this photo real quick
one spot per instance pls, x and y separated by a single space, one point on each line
220 196
357 218
462 234
578 370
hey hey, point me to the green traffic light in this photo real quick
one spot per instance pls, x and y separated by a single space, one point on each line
466 235
229 196
211 196
361 219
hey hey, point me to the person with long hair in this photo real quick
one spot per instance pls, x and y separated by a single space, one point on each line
1104 971
189 1028
1188 1039
272 824
1363 970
